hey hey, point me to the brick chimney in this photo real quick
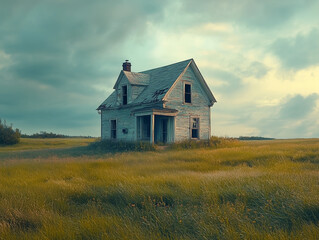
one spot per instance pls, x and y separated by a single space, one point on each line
127 66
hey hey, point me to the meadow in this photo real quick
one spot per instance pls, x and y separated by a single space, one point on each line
249 190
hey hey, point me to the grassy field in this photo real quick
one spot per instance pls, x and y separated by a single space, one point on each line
254 190
51 143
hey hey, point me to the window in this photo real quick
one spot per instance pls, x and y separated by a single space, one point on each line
188 93
124 95
195 127
113 129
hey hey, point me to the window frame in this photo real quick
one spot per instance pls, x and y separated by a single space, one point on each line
188 93
195 128
124 95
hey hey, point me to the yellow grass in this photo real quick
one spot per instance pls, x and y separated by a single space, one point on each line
48 143
255 190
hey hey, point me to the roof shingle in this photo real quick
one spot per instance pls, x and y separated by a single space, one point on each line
158 81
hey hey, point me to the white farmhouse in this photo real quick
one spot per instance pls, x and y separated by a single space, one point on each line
165 104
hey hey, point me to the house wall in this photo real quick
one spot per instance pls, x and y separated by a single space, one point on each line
123 120
198 108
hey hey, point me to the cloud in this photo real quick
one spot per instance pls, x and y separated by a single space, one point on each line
255 69
255 14
230 83
59 59
57 54
298 107
298 52
295 116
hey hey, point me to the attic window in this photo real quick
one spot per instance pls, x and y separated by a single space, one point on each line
188 93
124 95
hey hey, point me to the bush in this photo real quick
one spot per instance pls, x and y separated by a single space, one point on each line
213 142
8 136
120 146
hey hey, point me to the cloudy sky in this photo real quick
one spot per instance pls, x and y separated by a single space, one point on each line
60 59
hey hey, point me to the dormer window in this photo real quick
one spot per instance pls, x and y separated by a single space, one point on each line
188 93
124 95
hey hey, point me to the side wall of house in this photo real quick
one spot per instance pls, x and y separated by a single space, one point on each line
124 120
199 108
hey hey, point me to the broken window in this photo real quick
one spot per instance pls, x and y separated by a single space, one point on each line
188 93
124 95
113 129
195 127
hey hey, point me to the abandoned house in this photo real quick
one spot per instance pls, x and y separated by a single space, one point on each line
165 104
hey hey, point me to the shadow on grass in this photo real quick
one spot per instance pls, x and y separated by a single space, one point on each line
46 153
98 148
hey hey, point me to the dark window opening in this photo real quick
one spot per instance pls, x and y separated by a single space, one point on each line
165 130
188 93
113 129
195 127
124 95
146 127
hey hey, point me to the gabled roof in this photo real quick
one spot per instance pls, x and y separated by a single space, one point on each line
159 82
133 78
110 102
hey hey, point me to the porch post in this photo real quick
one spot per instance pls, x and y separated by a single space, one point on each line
152 128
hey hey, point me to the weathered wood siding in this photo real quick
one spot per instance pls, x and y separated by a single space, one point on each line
198 108
123 120
179 127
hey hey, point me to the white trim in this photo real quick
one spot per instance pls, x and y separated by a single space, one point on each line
152 128
139 114
119 78
176 81
191 127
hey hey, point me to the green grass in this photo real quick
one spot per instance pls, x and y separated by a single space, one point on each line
254 190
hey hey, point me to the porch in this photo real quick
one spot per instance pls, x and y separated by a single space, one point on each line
155 125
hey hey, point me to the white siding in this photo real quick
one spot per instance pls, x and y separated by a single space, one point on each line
123 120
198 108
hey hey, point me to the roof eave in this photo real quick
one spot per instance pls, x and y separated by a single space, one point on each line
164 98
209 93
118 79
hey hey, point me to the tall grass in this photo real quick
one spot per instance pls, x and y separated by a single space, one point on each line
213 142
254 190
120 146
52 143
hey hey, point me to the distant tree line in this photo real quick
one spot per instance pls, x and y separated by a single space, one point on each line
8 135
44 134
254 138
